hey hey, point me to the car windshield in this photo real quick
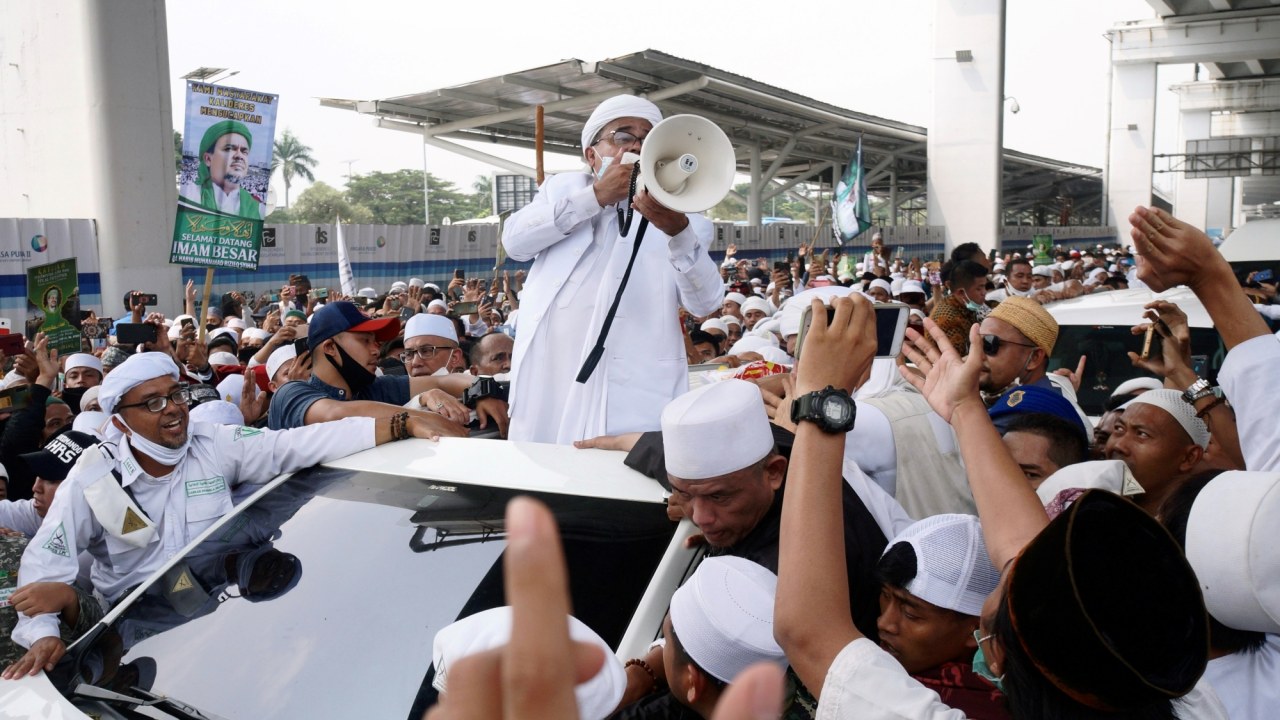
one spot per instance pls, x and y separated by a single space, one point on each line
349 577
1107 364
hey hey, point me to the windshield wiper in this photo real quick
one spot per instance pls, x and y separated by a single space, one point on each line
171 705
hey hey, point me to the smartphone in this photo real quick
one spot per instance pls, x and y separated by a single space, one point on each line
12 345
148 299
891 326
273 297
1200 365
457 274
405 314
188 322
464 308
318 293
1264 275
299 346
935 277
134 333
15 399
782 267
1151 344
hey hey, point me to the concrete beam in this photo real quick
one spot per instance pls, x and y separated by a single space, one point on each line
1238 96
1201 41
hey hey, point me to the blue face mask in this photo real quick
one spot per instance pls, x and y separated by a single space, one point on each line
980 663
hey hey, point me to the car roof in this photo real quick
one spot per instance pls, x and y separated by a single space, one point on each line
534 467
1125 307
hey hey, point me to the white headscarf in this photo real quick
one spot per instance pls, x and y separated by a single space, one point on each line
618 106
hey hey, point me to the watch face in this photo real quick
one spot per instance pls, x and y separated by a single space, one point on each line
835 410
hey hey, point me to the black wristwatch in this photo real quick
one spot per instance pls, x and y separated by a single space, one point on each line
832 410
485 387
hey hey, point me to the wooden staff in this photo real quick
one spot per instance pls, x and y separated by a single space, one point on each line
208 290
538 132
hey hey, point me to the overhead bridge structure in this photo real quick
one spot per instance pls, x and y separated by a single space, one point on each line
782 140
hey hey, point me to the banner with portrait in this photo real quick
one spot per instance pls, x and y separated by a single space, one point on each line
54 294
225 176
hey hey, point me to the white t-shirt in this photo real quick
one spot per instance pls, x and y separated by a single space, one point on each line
1248 684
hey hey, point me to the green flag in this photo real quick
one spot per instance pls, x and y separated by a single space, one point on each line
850 211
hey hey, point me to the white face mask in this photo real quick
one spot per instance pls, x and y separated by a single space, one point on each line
605 162
161 454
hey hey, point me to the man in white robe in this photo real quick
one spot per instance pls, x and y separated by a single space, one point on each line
571 231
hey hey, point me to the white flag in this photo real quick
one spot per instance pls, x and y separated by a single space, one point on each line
345 276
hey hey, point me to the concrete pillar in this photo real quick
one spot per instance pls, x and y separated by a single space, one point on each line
1131 143
754 214
966 131
1191 195
893 195
87 132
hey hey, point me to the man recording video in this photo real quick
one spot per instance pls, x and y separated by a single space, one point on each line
574 232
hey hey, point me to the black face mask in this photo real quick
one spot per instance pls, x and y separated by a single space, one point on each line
353 373
246 353
210 327
71 396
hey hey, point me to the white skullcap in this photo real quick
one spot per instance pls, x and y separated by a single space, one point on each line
4 472
756 282
1110 475
756 303
1067 265
235 322
255 334
618 106
912 286
997 267
1042 271
218 412
736 297
426 324
1096 276
730 320
768 325
750 343
417 282
1231 538
918 313
174 332
89 397
90 422
131 373
597 698
223 358
714 324
219 332
882 284
1171 402
895 287
1133 385
775 355
953 570
399 285
723 616
82 360
789 316
279 357
715 430
1113 268
438 303
367 293
431 286
230 388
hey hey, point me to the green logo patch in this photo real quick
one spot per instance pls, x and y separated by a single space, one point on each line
58 543
210 486
246 432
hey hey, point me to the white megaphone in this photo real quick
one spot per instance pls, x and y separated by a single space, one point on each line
687 163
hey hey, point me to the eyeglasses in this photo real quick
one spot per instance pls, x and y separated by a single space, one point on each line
426 351
619 138
181 396
991 344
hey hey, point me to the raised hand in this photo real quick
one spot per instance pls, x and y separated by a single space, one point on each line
945 379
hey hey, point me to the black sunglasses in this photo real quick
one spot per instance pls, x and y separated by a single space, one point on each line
991 344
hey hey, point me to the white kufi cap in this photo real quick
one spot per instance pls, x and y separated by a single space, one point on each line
1171 402
427 324
953 570
715 430
756 303
1231 538
279 357
82 360
597 698
715 324
218 412
736 297
723 616
131 373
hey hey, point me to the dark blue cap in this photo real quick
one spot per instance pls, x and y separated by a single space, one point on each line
1034 399
342 316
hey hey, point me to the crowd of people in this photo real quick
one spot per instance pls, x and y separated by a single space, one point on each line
936 532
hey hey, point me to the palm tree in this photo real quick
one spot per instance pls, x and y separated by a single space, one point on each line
292 158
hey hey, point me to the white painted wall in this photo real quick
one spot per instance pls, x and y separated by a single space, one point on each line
1128 181
966 130
86 131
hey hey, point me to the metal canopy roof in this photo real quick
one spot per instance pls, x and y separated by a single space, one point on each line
799 139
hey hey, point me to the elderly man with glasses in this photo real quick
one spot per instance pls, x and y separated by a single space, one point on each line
157 482
577 232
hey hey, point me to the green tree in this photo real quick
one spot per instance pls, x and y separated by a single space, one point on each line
483 197
293 159
732 209
322 203
177 151
395 198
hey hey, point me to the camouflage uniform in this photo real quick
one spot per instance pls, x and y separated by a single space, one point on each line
11 548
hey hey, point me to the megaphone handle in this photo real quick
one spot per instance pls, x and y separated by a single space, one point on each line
624 221
597 352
